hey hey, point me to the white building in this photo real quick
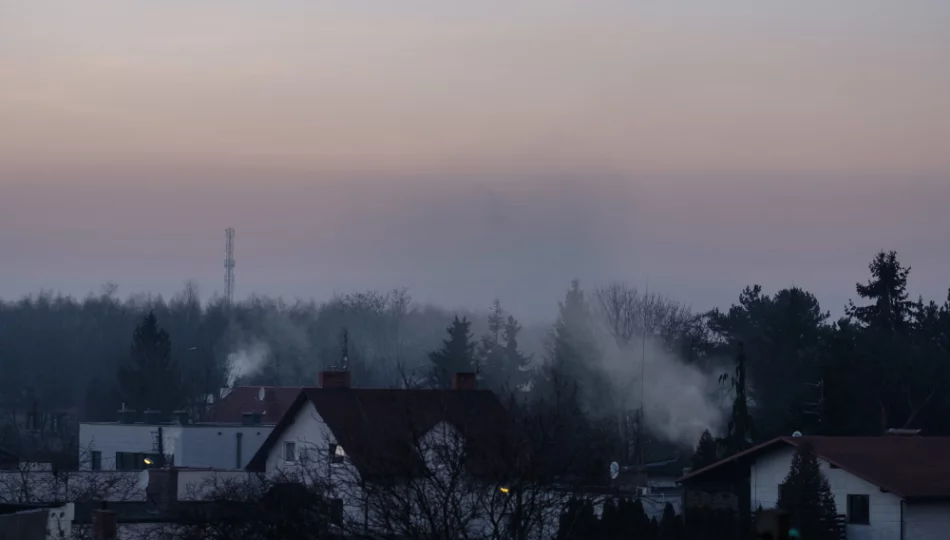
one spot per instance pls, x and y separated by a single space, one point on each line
378 453
894 487
130 446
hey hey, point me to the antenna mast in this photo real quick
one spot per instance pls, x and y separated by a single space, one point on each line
345 361
229 267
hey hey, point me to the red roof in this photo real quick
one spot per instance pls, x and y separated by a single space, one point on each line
910 467
378 428
247 399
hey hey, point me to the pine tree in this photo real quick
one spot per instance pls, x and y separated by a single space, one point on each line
516 363
706 452
671 525
150 379
490 354
806 496
574 357
457 353
891 310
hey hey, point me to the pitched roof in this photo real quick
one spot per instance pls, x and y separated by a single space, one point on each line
909 467
379 428
247 399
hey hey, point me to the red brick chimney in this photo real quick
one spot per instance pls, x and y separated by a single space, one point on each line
334 379
104 525
463 381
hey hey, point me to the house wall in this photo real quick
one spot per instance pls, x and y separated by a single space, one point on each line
770 470
217 446
198 445
927 521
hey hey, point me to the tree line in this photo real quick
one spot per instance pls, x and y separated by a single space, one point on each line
882 365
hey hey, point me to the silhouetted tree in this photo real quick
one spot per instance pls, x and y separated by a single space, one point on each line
149 379
706 453
805 494
456 355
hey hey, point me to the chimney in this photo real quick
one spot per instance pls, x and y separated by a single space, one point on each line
251 418
162 488
182 418
463 381
334 379
104 525
153 417
126 416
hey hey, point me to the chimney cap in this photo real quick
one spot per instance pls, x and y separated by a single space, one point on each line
334 379
464 380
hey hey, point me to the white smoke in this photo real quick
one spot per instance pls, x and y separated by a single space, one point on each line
679 400
247 361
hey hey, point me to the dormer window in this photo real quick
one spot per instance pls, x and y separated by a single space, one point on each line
336 453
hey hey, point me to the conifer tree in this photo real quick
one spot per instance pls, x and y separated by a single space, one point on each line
806 496
150 379
706 452
671 525
456 355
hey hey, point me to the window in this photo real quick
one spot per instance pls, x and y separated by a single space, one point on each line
859 509
290 451
136 461
336 512
96 460
336 453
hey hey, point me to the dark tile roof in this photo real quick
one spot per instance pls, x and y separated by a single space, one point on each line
246 399
379 429
910 467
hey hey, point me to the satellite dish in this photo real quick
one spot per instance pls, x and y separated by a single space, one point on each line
260 394
614 470
142 482
797 434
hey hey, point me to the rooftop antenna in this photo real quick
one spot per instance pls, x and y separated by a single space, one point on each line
345 361
229 267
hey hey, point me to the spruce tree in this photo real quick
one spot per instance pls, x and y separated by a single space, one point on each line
150 379
706 452
671 525
573 363
490 354
806 496
516 363
456 355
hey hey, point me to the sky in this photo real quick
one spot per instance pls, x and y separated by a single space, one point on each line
468 150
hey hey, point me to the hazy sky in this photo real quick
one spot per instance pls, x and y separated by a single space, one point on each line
473 149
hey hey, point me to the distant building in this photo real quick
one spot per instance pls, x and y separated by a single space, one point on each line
894 487
131 444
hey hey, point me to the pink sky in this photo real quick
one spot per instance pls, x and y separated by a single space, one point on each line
467 152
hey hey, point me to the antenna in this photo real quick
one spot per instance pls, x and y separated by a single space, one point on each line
345 356
229 267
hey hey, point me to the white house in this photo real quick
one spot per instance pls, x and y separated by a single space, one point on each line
127 446
379 452
895 487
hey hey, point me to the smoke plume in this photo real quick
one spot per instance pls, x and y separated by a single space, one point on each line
247 361
679 400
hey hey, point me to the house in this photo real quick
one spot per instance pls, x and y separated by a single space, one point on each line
369 447
131 444
894 487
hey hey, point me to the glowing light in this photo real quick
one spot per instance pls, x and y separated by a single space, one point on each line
503 490
147 461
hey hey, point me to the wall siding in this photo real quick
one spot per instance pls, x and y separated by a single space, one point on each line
771 469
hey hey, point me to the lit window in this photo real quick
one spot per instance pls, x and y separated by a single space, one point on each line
290 451
336 453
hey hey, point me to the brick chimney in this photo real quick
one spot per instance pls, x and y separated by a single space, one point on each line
463 381
334 379
104 525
